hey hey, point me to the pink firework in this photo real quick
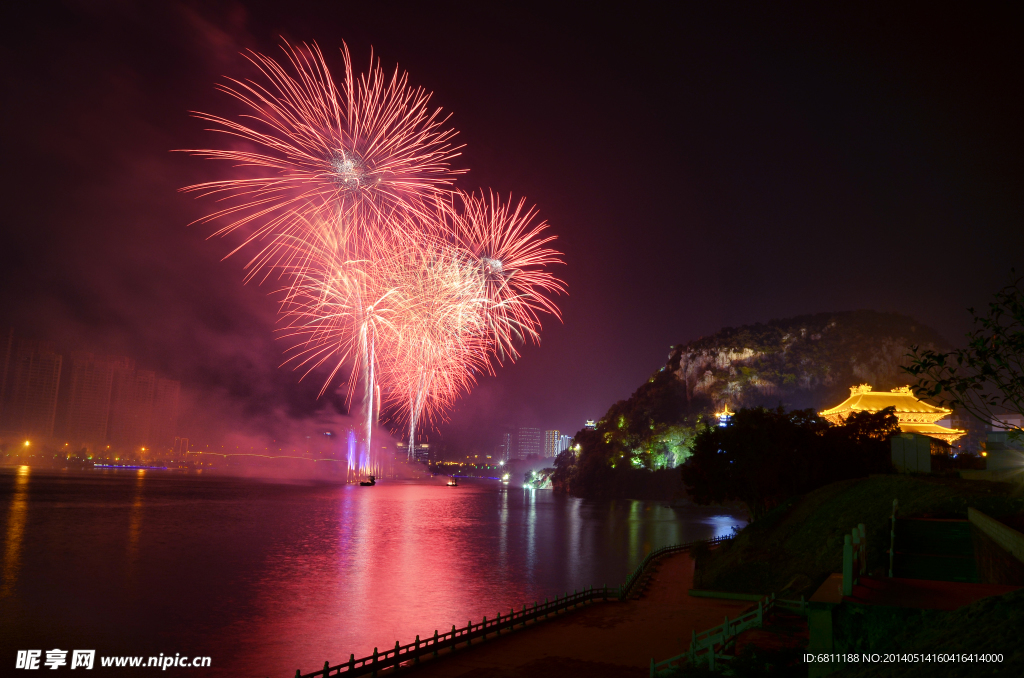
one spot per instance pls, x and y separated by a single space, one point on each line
393 278
508 245
346 154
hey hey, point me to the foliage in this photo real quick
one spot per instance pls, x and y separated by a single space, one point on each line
538 480
653 430
811 360
989 373
795 547
764 457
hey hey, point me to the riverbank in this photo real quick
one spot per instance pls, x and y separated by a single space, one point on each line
614 639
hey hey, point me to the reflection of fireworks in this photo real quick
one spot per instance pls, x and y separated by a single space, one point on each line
393 277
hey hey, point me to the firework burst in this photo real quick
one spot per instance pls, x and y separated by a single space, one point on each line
349 154
393 278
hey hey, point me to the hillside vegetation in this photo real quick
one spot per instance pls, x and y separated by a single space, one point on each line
802 362
794 548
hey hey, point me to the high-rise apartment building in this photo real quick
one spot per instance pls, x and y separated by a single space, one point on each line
6 348
529 441
165 413
553 443
131 405
30 389
86 398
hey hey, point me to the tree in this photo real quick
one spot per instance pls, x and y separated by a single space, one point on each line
764 457
989 373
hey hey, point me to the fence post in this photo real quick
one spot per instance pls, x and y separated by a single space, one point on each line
760 612
298 674
469 633
652 667
847 566
453 637
327 668
711 657
435 642
725 629
374 662
397 662
417 660
892 536
863 548
857 547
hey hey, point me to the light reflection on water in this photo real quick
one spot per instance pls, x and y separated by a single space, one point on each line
269 577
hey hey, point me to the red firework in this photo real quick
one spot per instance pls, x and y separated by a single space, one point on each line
393 277
346 154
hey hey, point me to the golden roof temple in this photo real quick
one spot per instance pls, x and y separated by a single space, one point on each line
915 415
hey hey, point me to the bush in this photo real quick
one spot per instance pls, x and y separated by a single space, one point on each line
764 457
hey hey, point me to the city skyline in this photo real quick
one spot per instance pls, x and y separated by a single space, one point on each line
93 402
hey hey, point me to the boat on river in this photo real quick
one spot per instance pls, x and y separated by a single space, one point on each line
369 483
452 482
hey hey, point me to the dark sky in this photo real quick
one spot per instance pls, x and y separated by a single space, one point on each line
701 167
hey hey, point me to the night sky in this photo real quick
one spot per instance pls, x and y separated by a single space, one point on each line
700 170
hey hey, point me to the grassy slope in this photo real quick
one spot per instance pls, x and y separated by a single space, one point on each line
798 545
991 625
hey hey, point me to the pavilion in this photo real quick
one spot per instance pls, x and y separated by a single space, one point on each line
916 416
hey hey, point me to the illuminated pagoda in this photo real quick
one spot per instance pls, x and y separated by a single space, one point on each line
915 415
725 416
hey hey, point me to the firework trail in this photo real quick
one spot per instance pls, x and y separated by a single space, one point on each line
393 278
442 341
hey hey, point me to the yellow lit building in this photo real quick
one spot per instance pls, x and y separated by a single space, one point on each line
915 415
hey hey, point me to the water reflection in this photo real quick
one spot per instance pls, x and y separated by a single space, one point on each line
135 523
268 578
16 515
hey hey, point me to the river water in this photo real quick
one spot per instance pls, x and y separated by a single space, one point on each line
267 577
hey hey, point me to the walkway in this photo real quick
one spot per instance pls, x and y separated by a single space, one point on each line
603 639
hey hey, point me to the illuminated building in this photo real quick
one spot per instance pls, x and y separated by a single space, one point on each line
1009 421
529 441
422 452
553 443
724 416
503 450
31 388
916 416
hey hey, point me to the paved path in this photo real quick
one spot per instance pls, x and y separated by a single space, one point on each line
603 639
